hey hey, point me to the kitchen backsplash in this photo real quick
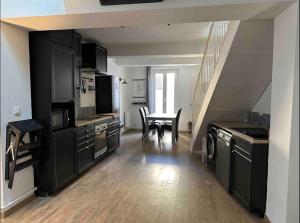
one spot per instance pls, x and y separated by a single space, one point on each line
87 92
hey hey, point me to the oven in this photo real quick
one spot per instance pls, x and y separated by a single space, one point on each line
113 135
101 140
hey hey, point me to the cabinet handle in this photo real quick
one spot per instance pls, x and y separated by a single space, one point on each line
234 151
242 149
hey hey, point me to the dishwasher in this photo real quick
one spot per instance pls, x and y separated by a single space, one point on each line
223 158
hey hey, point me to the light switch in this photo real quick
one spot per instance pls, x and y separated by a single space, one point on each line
16 111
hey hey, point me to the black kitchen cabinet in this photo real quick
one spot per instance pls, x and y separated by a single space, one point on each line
85 146
53 62
62 38
241 177
77 43
107 94
249 174
64 150
85 158
94 57
62 74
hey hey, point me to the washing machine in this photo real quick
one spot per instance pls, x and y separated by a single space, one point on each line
211 147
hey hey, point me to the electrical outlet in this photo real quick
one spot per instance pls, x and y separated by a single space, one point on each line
16 110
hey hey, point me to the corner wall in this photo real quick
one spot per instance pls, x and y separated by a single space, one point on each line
15 91
263 105
283 170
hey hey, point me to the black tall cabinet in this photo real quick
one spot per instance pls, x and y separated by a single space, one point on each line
107 94
54 68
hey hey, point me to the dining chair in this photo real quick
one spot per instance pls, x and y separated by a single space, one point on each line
152 125
146 110
168 125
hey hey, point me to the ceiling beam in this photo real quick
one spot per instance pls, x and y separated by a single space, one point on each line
166 49
155 61
142 15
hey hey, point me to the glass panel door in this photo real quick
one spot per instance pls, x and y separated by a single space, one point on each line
165 90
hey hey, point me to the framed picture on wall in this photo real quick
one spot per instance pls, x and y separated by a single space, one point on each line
139 88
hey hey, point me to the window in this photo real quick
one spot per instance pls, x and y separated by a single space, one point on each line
164 90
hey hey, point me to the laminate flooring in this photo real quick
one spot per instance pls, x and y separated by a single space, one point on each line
141 182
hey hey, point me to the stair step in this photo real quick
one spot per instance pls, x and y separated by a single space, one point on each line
28 146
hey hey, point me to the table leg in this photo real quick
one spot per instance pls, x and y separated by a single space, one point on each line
147 129
173 131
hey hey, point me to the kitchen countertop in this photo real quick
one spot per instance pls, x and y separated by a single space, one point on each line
95 118
228 125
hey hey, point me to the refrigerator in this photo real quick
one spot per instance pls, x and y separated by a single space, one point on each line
107 94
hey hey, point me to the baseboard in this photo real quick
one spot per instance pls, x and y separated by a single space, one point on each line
9 209
267 218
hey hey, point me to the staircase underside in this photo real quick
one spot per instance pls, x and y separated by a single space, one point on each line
237 86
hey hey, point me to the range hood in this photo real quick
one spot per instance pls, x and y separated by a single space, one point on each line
119 2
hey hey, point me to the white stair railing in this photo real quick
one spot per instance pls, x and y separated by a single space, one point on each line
212 51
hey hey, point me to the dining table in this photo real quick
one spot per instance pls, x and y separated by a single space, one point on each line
161 117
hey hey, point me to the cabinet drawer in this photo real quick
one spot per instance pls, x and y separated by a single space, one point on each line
85 138
243 147
85 158
85 144
85 129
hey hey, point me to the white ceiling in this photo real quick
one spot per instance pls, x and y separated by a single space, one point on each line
184 32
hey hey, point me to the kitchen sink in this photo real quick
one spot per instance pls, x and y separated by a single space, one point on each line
257 133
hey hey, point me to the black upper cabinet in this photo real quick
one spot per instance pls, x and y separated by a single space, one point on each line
64 150
62 74
94 57
63 38
77 44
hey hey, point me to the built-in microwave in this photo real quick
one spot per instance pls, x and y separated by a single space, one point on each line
60 119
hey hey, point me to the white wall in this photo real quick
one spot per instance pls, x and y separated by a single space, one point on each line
132 115
283 173
263 105
15 91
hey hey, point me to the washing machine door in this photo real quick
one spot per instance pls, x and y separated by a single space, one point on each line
211 146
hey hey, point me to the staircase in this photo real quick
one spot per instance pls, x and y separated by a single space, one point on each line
235 71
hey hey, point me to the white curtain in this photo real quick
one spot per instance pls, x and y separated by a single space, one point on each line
151 90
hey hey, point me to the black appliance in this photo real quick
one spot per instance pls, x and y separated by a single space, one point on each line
119 2
60 118
223 158
100 140
107 94
249 172
94 57
211 147
113 135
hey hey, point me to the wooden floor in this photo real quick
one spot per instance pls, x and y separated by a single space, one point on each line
141 182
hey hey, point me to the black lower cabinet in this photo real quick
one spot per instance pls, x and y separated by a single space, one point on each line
64 150
57 167
241 178
249 175
85 158
85 147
